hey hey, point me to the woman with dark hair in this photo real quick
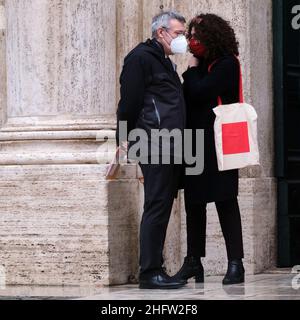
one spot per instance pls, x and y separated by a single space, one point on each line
214 71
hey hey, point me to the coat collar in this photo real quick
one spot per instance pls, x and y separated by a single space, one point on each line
159 50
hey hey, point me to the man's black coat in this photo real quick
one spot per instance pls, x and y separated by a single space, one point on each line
151 91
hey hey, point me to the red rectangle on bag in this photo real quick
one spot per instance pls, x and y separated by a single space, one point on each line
235 138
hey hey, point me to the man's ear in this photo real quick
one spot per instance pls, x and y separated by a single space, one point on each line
159 33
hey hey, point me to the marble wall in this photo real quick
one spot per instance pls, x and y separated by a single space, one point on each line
61 222
61 58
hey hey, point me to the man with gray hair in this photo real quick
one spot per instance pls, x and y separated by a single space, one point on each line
152 99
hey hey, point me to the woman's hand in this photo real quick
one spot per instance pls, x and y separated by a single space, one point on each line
193 62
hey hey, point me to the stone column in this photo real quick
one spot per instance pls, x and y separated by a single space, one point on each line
61 73
61 221
3 77
61 63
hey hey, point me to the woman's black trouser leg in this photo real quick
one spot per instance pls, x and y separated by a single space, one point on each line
230 220
195 228
160 188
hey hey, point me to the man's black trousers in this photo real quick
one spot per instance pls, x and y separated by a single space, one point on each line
160 188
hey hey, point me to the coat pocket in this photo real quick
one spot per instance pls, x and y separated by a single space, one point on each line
156 112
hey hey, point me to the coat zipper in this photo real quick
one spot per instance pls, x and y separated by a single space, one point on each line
156 112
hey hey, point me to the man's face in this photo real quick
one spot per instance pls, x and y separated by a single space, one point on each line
165 36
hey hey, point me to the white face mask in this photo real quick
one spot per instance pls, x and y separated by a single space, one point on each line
178 44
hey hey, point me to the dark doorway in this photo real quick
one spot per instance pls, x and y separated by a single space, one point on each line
287 128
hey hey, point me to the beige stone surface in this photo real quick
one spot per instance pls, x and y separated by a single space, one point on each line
3 73
259 75
61 58
67 225
59 147
2 16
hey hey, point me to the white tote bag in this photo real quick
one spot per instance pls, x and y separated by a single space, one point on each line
235 131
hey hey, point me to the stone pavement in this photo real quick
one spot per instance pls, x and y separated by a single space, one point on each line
272 285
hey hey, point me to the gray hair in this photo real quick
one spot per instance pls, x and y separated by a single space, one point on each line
162 20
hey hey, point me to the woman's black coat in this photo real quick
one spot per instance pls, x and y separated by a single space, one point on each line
201 89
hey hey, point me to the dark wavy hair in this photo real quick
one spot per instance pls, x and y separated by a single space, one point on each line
216 34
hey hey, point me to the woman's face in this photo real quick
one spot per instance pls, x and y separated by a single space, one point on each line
193 34
197 48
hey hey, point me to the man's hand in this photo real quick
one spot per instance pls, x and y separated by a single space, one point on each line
124 146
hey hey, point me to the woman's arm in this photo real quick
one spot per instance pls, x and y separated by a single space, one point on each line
205 87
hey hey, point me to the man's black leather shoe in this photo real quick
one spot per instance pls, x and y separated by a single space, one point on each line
160 280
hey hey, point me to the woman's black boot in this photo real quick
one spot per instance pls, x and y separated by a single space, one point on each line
192 267
235 272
